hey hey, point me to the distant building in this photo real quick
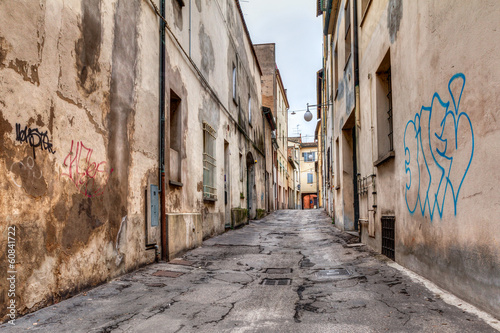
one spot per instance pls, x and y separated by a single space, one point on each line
274 97
308 175
294 160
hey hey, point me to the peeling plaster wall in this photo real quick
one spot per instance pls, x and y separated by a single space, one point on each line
446 213
199 72
342 123
78 142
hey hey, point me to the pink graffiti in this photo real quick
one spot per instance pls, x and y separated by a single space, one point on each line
90 178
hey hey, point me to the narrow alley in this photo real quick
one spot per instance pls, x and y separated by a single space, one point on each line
291 271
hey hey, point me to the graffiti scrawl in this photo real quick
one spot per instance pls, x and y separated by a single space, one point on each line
90 178
34 138
439 147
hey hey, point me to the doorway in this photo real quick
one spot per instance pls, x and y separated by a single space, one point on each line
250 185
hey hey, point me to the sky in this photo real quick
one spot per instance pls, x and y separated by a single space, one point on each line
297 32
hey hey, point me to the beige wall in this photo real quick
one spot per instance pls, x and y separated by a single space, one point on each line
274 97
78 200
85 81
305 168
437 180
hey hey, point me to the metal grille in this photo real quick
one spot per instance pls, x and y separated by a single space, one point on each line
278 270
209 162
277 282
332 272
388 233
389 112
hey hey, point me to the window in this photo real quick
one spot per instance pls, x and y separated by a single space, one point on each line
249 109
336 175
175 139
242 168
384 110
347 20
309 178
209 163
234 83
328 154
309 156
336 69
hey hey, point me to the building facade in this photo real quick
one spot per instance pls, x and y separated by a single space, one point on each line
140 136
308 175
274 97
411 132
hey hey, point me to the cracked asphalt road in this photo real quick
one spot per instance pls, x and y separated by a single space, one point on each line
289 272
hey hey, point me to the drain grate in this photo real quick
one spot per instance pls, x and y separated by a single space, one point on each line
332 272
181 262
277 282
170 274
278 270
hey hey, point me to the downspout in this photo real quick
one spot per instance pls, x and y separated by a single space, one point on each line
189 28
357 125
266 184
163 217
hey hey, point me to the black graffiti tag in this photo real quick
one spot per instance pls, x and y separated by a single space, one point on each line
34 138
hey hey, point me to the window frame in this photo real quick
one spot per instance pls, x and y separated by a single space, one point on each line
250 109
209 163
235 83
312 178
347 32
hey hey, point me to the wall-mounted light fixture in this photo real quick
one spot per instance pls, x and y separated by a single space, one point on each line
308 116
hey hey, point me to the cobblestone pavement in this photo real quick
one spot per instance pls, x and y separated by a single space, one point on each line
289 272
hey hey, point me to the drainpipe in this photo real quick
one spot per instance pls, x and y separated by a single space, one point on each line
357 125
163 217
189 28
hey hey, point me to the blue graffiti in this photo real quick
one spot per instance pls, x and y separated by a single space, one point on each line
439 147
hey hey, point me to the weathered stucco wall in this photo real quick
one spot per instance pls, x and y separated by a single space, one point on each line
199 64
77 90
440 185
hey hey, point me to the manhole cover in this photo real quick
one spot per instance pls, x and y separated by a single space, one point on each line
170 274
332 272
277 282
181 262
278 270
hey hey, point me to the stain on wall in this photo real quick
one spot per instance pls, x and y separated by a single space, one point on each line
28 175
88 47
82 218
207 52
122 97
26 70
3 51
177 9
394 15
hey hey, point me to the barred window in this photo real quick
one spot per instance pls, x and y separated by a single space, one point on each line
209 163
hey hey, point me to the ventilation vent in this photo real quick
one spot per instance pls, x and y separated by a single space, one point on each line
388 223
